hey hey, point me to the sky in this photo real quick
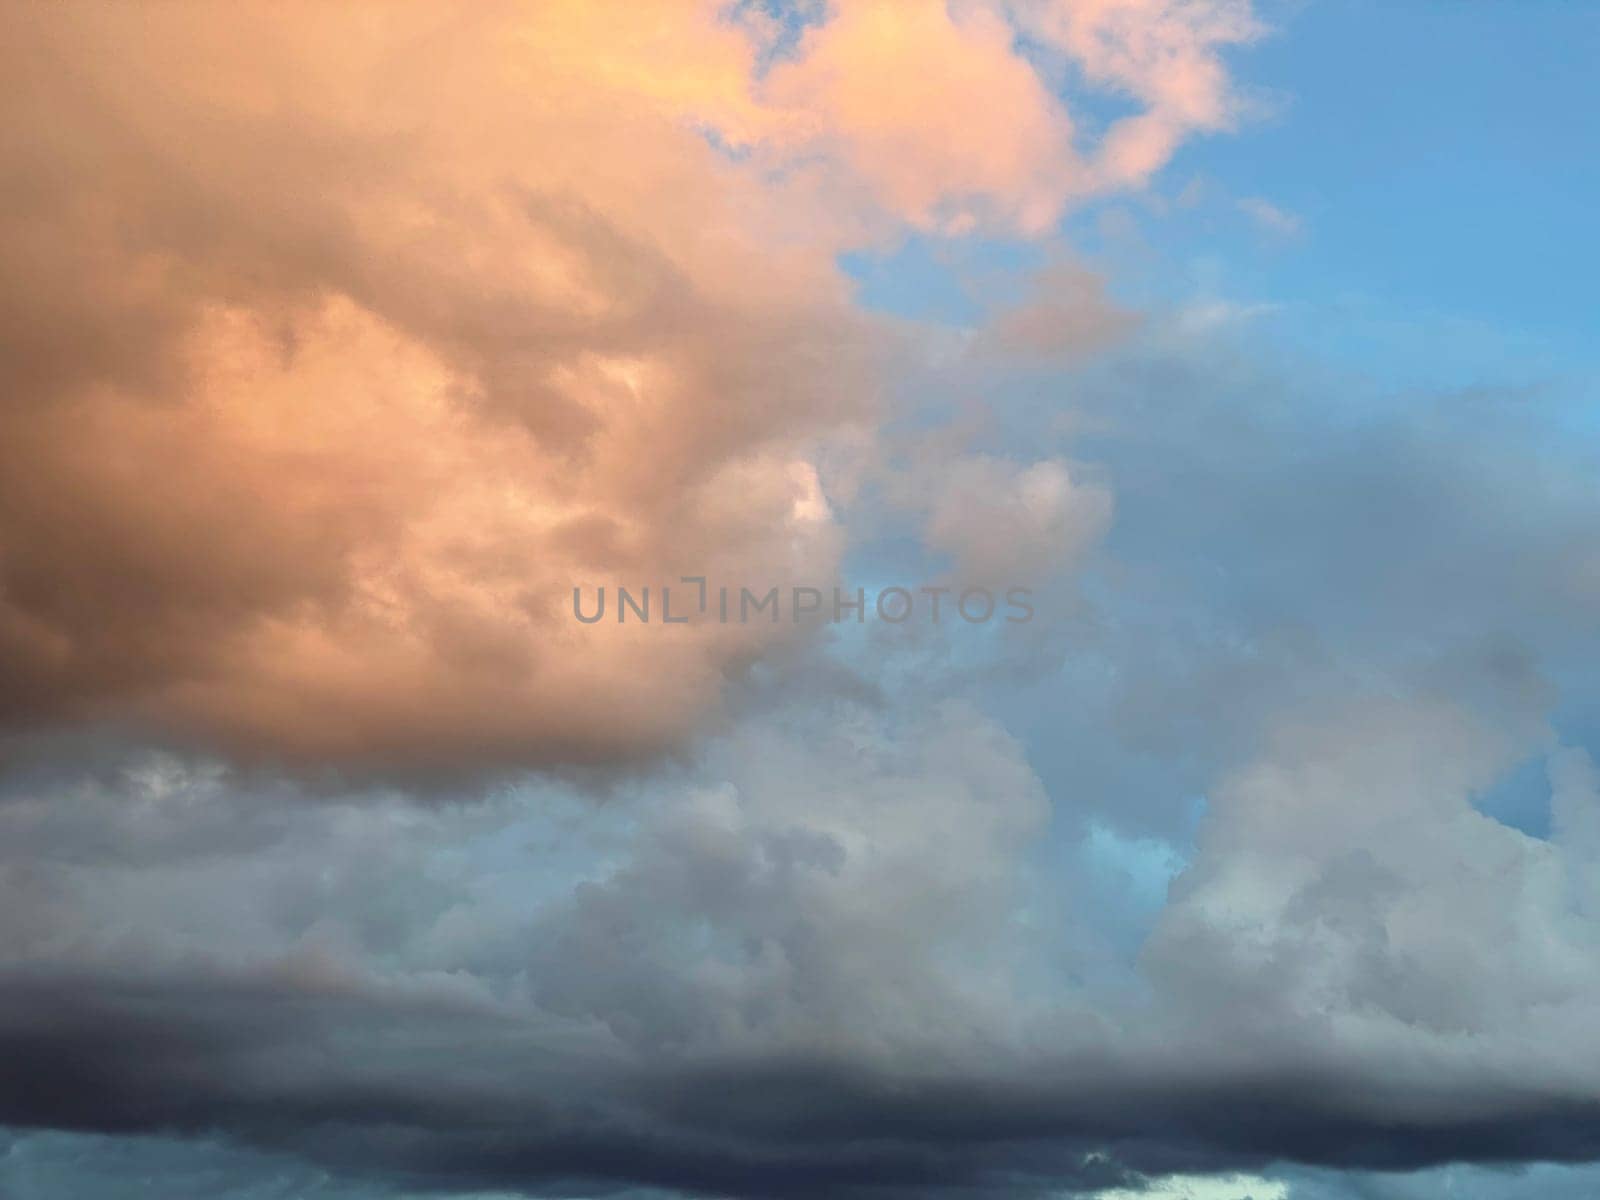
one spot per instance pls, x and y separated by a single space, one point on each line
1234 359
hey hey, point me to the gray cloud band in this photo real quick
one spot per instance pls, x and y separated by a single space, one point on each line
737 604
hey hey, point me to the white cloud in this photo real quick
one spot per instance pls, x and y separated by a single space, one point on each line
1204 1187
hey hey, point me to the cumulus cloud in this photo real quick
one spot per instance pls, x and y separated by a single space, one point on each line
1065 314
764 897
344 343
935 114
805 901
1008 523
355 341
929 105
1346 889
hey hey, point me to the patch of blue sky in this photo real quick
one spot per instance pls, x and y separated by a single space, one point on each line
1369 368
946 281
1395 210
788 21
1520 798
1438 216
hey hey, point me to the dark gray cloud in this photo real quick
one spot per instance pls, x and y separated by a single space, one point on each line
823 961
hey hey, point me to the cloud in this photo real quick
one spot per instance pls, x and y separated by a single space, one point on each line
931 108
1346 889
934 110
344 344
325 404
1196 1187
1270 217
1010 524
1066 313
823 956
192 949
1163 53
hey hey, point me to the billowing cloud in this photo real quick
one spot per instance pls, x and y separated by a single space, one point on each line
823 957
936 114
933 108
1348 895
355 341
344 343
1005 523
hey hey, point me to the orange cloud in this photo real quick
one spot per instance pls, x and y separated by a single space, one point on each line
935 113
1165 54
347 343
344 340
934 110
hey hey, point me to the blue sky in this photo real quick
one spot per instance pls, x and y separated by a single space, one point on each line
1401 233
1437 167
